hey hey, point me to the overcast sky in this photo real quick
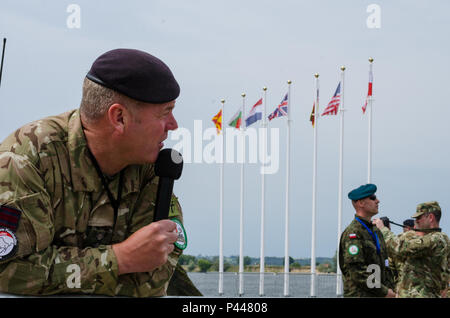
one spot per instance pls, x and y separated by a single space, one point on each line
220 49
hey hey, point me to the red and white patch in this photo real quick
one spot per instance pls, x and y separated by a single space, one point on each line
352 236
8 243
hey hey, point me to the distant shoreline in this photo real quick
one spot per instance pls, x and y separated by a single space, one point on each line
255 269
205 264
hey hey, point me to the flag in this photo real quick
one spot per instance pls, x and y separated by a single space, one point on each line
236 120
369 91
255 113
333 105
313 114
217 120
281 110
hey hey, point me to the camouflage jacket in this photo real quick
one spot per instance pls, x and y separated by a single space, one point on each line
426 259
64 233
357 257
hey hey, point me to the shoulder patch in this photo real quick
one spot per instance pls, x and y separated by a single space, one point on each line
9 217
352 236
181 241
8 243
353 250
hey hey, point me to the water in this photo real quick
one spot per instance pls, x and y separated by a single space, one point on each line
299 284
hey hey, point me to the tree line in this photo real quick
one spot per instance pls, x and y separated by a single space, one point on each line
231 264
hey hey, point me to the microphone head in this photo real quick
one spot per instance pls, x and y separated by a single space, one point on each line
169 164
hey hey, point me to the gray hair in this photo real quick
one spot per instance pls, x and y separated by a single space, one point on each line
97 99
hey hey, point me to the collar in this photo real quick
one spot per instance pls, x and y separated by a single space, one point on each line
83 173
435 229
369 224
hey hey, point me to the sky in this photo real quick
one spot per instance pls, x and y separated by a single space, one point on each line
221 49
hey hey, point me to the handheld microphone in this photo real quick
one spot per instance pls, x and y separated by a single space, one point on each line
3 56
168 168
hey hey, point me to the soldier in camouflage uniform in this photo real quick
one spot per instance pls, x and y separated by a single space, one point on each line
397 261
425 253
77 190
362 251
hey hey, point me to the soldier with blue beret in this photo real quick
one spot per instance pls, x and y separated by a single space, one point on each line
78 190
363 257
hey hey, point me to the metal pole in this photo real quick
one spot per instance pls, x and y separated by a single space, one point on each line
263 190
314 191
286 229
341 168
221 206
241 230
369 160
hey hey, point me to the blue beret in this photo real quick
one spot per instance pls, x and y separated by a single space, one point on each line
135 74
362 192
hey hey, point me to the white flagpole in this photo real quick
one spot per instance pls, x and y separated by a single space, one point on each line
241 232
221 205
263 190
314 191
369 104
286 225
341 167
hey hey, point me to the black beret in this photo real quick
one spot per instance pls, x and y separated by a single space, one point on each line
136 74
362 192
408 222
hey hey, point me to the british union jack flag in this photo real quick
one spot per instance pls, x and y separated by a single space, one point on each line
281 110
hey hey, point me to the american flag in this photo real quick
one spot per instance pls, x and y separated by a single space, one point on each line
369 91
281 110
333 105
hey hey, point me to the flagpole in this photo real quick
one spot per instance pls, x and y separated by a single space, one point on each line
286 225
341 167
241 232
263 190
221 205
314 191
369 156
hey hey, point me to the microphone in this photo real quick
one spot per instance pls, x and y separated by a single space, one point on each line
168 168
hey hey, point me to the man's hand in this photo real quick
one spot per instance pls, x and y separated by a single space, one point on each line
378 222
147 248
390 293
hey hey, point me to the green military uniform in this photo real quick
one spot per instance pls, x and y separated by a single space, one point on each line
426 259
357 251
64 230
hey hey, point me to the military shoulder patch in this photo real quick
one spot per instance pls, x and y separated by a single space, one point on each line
181 241
352 236
353 250
8 243
9 217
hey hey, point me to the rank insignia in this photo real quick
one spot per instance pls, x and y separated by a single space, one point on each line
9 217
181 241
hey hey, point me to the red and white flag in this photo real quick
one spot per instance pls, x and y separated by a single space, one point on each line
369 92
